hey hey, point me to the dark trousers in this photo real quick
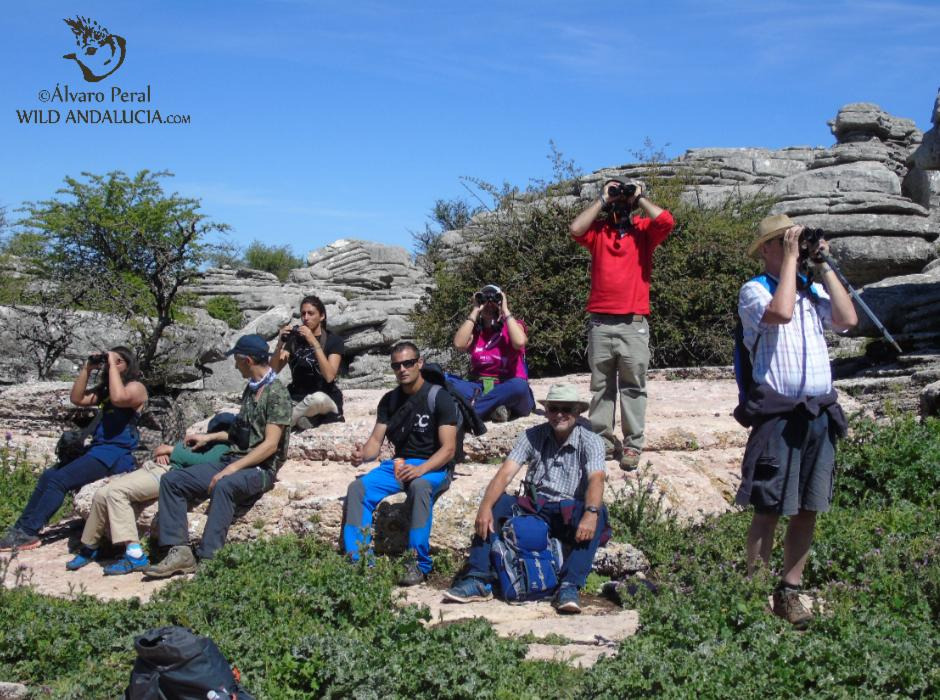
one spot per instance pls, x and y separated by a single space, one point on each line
578 562
513 393
51 488
181 486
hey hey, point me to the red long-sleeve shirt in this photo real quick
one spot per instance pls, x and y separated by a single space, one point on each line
621 267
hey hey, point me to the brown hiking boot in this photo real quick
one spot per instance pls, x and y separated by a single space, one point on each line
787 605
179 560
630 459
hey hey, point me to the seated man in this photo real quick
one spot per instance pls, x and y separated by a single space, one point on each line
420 420
564 485
115 506
258 446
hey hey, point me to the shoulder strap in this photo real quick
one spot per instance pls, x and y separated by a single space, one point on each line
432 396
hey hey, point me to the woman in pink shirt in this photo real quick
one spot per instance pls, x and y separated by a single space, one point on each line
498 382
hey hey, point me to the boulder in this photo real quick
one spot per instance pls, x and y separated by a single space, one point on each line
865 259
890 300
930 400
923 187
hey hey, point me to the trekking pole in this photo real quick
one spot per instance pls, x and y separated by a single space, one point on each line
858 300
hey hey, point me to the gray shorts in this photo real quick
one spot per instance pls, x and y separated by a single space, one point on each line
796 470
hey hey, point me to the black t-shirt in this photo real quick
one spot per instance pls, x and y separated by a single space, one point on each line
422 441
305 370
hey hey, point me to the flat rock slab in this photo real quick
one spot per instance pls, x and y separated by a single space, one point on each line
578 655
43 569
594 633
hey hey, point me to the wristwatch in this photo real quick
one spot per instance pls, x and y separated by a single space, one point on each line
592 509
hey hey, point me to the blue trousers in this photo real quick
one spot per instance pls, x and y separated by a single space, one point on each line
364 495
578 562
51 488
513 393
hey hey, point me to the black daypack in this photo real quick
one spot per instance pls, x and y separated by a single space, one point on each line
467 418
174 663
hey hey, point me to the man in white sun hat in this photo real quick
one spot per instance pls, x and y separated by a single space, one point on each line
564 485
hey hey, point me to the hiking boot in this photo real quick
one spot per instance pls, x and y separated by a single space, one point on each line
412 576
127 565
179 560
500 414
630 459
85 556
16 539
787 605
567 600
613 449
469 590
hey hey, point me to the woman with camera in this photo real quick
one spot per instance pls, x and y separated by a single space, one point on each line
119 397
314 357
498 382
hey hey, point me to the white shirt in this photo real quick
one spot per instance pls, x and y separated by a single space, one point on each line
791 358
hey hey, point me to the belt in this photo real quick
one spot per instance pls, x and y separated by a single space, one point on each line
618 318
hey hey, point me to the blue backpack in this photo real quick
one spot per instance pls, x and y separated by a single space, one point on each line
742 357
526 559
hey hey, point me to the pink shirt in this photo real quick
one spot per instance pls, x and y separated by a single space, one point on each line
492 355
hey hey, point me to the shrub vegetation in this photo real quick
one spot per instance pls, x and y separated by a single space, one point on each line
276 259
526 249
225 308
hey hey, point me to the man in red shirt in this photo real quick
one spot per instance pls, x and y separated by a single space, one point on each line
618 340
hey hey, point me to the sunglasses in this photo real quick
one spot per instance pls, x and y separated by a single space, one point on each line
407 364
568 408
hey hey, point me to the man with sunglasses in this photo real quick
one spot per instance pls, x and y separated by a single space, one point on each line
420 421
564 485
791 407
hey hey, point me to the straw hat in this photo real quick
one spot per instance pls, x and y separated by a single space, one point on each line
565 393
769 228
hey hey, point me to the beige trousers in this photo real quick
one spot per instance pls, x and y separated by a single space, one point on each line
315 404
618 355
117 504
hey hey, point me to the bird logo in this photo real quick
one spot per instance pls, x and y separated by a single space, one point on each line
100 52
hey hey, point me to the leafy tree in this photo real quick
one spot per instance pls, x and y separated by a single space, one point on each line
278 260
445 215
139 244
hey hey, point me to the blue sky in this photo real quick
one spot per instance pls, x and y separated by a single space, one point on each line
312 121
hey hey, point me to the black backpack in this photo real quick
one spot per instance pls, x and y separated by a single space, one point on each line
174 663
467 418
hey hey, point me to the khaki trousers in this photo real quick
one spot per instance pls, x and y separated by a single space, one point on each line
618 355
117 504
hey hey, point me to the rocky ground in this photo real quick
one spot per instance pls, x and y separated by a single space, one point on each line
694 449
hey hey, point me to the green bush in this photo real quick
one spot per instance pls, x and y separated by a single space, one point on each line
276 259
533 259
17 479
892 460
225 308
697 274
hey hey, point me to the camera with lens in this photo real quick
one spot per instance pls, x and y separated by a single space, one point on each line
98 358
292 334
622 191
809 239
488 296
239 433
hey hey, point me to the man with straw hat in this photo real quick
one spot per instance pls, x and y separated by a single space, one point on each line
791 406
564 485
